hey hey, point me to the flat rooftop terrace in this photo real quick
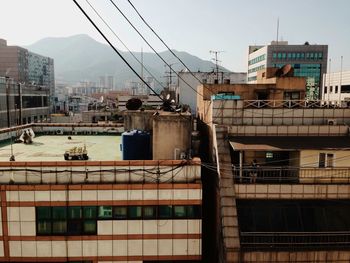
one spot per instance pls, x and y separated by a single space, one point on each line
52 148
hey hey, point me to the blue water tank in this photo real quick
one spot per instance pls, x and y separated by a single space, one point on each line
136 145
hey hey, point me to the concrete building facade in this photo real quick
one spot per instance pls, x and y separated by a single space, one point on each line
282 169
308 61
100 211
336 87
22 103
188 96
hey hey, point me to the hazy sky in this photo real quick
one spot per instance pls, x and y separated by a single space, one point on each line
194 26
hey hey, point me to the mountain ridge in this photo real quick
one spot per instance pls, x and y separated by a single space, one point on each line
80 57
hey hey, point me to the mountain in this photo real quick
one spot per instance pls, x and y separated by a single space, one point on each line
80 57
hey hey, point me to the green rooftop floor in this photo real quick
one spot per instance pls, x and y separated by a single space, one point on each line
52 148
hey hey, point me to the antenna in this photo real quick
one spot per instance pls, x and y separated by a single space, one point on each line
216 52
341 76
278 26
169 76
142 84
329 78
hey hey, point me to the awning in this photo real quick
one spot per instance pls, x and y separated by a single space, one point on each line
289 143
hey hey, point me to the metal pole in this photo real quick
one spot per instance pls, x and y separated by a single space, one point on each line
340 80
240 166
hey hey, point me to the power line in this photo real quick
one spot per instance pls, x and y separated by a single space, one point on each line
115 50
125 46
144 39
163 42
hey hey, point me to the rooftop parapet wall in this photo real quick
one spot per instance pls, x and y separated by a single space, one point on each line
148 171
234 112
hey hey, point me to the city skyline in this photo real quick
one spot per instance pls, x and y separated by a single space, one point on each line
195 27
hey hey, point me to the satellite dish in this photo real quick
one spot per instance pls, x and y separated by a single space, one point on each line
284 71
133 104
167 96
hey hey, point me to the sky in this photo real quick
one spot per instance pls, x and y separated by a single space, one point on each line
194 26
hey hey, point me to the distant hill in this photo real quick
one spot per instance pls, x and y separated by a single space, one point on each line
80 57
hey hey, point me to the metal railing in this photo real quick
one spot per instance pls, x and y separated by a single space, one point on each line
287 174
294 104
300 240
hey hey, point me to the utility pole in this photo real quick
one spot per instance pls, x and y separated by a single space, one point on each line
216 52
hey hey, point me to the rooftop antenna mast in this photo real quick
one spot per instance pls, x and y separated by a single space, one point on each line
216 52
169 76
142 84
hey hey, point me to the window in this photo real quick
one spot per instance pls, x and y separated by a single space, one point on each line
326 160
120 212
105 212
345 89
336 89
165 211
330 159
325 89
59 220
149 212
134 212
330 89
269 155
179 211
322 160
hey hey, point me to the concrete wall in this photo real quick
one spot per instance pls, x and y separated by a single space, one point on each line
116 240
139 120
171 132
310 158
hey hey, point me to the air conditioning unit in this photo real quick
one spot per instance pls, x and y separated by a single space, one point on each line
331 122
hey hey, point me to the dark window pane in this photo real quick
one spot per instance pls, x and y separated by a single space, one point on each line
59 227
90 227
179 211
43 227
105 212
194 211
74 212
43 212
120 212
165 211
149 212
74 227
89 212
59 212
134 212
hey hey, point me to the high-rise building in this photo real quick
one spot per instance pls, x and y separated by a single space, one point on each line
27 67
308 61
41 71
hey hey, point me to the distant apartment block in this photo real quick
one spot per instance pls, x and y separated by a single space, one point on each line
309 61
336 87
22 103
27 67
188 96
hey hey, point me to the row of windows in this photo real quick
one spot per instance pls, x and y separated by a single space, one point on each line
256 69
82 220
343 89
252 78
257 59
297 55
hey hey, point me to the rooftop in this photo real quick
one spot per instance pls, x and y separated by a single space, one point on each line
52 148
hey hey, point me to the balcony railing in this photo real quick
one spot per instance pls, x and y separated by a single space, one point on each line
294 104
297 240
286 174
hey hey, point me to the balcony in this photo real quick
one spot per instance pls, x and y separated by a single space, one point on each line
291 175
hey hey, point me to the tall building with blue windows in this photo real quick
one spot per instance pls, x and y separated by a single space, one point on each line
308 61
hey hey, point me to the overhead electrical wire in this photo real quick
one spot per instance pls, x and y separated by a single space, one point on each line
115 50
161 40
125 46
144 39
